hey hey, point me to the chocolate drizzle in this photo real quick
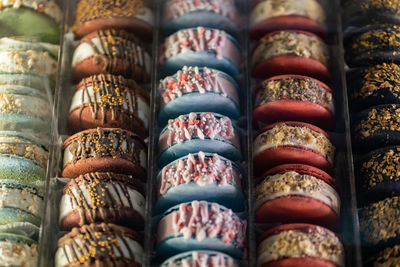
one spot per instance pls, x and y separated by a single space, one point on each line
114 46
100 196
103 142
96 243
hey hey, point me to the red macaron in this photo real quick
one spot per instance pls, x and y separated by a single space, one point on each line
297 193
291 51
292 142
294 98
300 245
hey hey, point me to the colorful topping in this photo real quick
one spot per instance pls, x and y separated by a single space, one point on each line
293 183
96 243
194 40
192 79
202 220
379 39
274 8
381 167
201 259
301 89
177 8
391 5
380 221
382 76
115 143
110 93
385 118
18 253
93 9
204 125
100 197
199 169
291 43
312 242
283 134
388 257
25 150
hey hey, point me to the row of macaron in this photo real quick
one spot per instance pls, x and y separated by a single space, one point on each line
28 63
199 188
293 157
102 206
371 50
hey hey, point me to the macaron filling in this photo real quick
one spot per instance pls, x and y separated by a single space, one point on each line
200 258
103 95
293 183
294 88
291 43
318 243
96 194
198 40
197 80
274 8
15 252
199 169
287 135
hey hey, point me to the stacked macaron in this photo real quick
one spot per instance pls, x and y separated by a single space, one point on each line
102 206
199 184
293 155
371 41
29 37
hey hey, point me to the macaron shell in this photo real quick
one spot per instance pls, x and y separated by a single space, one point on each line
300 262
21 169
24 21
13 215
292 64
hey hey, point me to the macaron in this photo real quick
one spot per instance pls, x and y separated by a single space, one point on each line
200 226
216 14
18 250
291 51
132 15
297 193
194 132
111 52
109 101
374 85
301 245
36 81
372 44
273 15
389 256
99 244
378 173
22 158
195 89
200 257
200 176
202 47
20 202
102 197
104 150
37 19
293 142
294 98
376 127
380 222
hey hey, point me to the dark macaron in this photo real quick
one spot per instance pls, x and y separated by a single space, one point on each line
389 256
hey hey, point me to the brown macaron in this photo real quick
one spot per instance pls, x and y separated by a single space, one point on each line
104 150
109 101
99 245
111 52
132 15
102 197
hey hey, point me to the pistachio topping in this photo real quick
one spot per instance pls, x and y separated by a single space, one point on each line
380 221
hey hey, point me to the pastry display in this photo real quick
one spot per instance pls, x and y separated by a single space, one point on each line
300 245
216 14
200 176
201 47
294 98
291 52
200 226
194 89
297 193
